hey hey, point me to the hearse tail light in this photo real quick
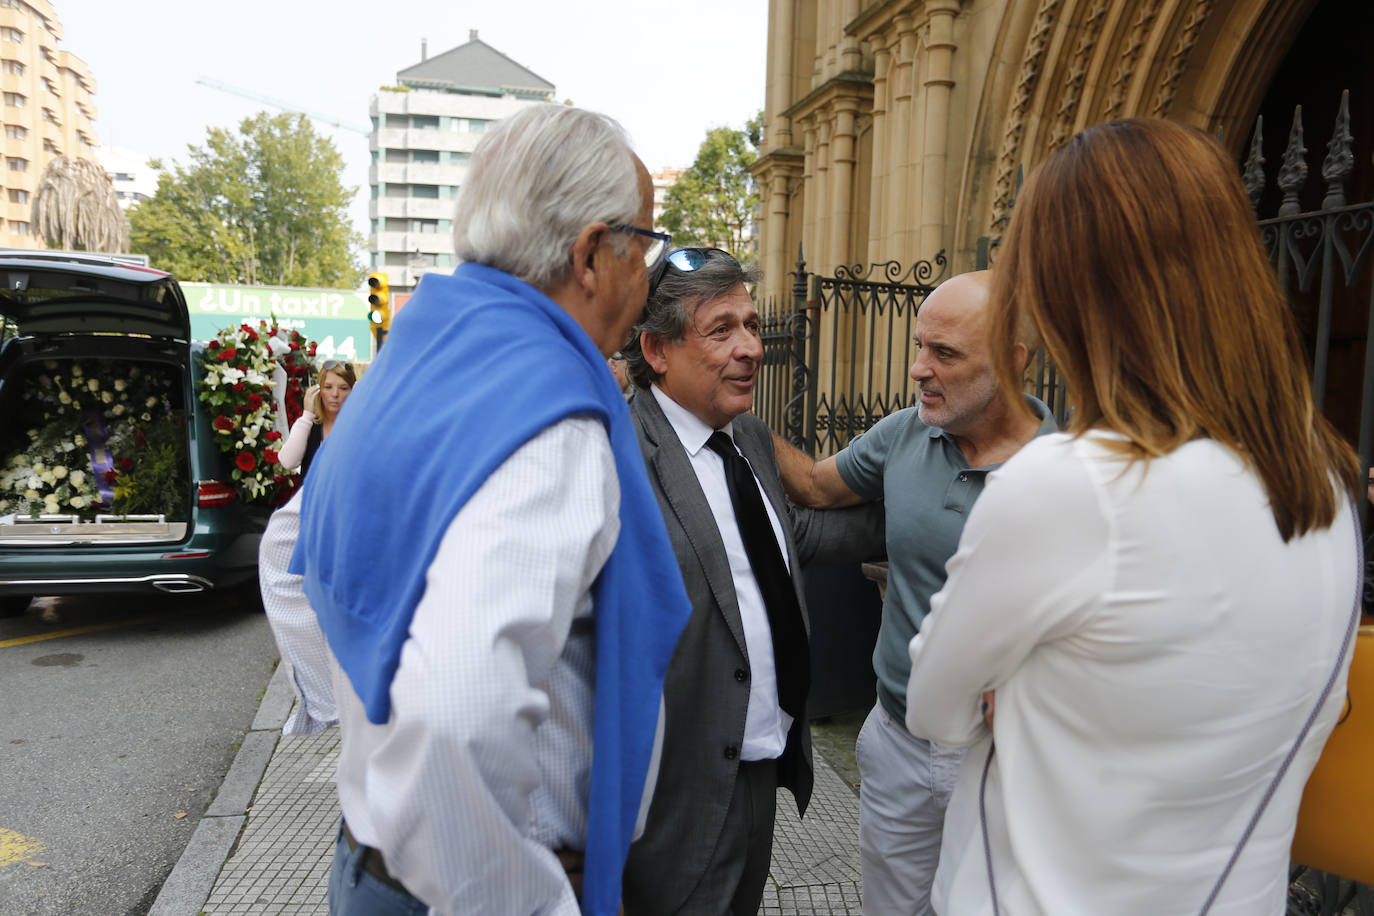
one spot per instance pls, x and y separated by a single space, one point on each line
212 493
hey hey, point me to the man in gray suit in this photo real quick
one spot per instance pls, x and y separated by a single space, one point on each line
735 693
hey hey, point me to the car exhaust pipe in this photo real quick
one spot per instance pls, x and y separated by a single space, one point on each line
178 586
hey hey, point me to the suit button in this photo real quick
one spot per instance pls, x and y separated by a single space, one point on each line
731 752
741 675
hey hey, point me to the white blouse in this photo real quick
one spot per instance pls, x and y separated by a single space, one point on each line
1155 647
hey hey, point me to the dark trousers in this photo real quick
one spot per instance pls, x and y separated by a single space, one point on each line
734 879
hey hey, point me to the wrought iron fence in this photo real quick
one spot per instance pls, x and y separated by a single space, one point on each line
1322 258
837 354
774 387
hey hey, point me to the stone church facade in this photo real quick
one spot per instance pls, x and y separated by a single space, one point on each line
897 128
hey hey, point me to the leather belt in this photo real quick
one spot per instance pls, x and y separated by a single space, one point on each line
372 862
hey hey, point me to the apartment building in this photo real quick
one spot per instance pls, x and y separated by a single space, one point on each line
423 132
663 179
133 178
47 107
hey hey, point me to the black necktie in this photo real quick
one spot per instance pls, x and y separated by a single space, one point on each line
791 654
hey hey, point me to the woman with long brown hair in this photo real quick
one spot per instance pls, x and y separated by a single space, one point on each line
1162 597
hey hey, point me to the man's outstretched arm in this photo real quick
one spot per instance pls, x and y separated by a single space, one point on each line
811 483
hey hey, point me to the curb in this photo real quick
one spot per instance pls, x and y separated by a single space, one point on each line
193 878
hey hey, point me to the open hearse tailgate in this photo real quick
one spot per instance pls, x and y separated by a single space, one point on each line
46 296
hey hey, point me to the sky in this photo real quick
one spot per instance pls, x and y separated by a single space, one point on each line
667 72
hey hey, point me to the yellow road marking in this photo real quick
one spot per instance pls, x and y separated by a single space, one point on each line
75 631
15 847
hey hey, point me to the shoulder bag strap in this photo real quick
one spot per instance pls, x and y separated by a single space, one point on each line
1306 726
1274 783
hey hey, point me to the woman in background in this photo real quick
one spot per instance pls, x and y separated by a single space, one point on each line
322 403
1159 596
289 613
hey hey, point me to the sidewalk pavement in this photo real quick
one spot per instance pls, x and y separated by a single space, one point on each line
266 844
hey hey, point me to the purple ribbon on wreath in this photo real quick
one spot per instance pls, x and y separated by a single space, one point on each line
102 462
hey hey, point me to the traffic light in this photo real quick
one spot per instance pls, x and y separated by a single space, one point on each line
379 298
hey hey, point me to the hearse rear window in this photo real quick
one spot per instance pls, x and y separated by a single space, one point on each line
27 286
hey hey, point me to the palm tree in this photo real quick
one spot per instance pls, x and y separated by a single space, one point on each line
75 208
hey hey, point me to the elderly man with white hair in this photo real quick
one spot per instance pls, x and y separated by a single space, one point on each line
486 558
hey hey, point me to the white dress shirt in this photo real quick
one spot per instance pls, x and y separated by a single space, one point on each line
765 723
302 644
1155 647
484 766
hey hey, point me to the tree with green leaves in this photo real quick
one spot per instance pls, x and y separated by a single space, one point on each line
712 203
263 206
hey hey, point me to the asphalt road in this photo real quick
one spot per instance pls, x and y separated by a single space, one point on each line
113 741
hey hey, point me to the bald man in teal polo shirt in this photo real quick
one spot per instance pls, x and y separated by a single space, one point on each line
928 463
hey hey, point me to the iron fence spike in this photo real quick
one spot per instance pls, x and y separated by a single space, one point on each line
1293 174
1340 157
1254 166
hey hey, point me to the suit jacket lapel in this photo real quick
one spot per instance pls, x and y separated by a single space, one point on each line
677 481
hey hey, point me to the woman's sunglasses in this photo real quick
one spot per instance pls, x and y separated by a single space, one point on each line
336 364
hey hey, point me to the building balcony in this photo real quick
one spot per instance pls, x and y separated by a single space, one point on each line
415 173
26 148
409 208
410 276
417 138
423 242
387 241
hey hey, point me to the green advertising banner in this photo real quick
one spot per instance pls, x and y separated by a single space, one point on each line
335 319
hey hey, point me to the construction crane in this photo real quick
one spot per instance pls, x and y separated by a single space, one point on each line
284 106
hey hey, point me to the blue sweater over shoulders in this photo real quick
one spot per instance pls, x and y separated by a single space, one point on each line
476 365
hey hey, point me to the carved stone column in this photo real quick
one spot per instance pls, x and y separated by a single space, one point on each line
810 238
895 241
777 210
939 88
851 55
781 67
842 178
822 189
879 206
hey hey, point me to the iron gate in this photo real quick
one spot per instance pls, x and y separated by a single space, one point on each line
1323 262
837 353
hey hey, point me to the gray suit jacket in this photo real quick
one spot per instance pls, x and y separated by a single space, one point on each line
706 692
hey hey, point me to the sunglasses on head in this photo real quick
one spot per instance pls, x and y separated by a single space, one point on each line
336 364
686 260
